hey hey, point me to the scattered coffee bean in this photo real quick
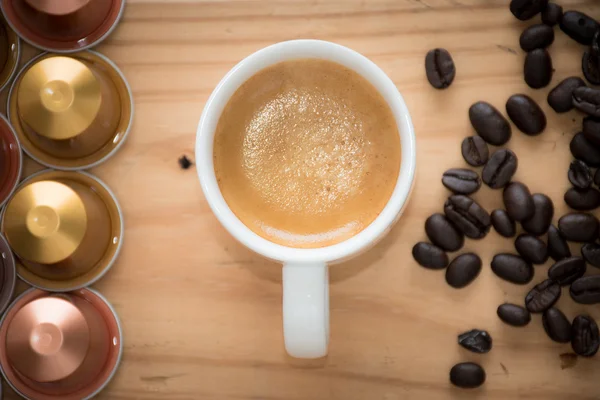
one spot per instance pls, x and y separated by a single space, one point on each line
500 168
591 253
430 256
513 314
537 36
526 114
582 199
567 270
463 270
561 97
556 325
512 268
578 227
440 68
489 123
476 340
586 290
587 99
467 375
527 9
591 130
531 248
518 201
443 234
584 150
579 26
542 296
552 14
597 178
585 338
558 247
461 180
475 151
538 68
543 212
580 174
590 65
468 216
503 224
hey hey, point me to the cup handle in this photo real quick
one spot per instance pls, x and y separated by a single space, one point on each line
306 309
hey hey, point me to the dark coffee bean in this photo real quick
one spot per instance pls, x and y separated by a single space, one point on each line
468 216
503 224
538 68
552 14
467 375
582 149
543 212
580 174
513 314
463 270
500 168
475 151
561 97
440 68
582 199
476 340
531 249
595 46
518 201
587 99
527 9
590 65
556 325
542 296
537 36
591 253
512 268
489 123
567 270
558 248
461 180
591 130
526 114
578 227
585 338
443 234
430 256
578 26
586 290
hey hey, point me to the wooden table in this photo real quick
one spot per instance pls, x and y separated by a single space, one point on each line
202 314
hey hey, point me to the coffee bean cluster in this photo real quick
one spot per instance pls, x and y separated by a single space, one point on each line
464 217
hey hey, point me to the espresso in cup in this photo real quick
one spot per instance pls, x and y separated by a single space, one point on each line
307 153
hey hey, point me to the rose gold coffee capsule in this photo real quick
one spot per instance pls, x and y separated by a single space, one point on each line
70 112
11 160
10 51
59 346
65 229
63 25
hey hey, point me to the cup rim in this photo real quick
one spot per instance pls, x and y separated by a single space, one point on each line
249 66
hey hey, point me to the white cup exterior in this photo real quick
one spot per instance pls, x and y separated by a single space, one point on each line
305 276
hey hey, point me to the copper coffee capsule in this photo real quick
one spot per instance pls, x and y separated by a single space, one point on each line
10 51
11 160
8 276
65 228
70 112
59 346
63 25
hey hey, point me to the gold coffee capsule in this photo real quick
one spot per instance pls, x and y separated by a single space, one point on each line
10 51
65 229
70 112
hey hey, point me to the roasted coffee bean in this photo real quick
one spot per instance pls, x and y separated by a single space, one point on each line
578 26
558 247
582 199
430 256
503 224
580 174
468 216
591 253
475 151
578 227
512 268
543 296
537 36
513 314
443 234
440 68
526 114
587 99
585 338
500 168
538 68
590 65
467 375
476 340
552 14
556 325
531 249
561 97
567 270
461 180
543 212
527 9
489 123
518 201
463 270
582 149
586 290
591 130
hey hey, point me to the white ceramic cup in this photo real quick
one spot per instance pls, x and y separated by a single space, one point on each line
305 273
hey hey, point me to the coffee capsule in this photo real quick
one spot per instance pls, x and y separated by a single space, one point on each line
8 277
11 160
63 25
59 346
70 112
10 51
65 229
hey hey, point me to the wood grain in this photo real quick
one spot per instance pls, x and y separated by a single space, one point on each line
202 315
